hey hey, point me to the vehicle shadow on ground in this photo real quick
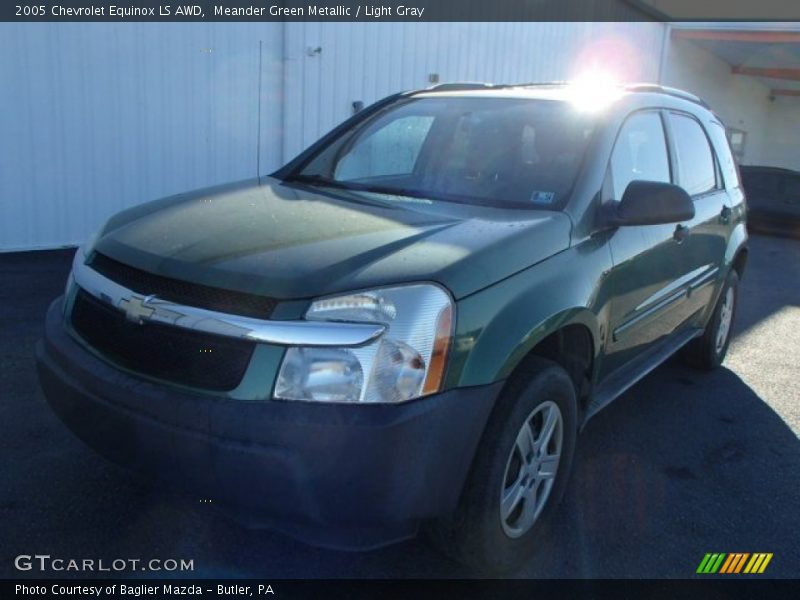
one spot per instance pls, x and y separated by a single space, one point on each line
683 464
771 280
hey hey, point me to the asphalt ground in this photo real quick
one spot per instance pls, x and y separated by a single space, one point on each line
683 464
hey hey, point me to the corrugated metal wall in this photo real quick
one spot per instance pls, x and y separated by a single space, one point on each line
97 117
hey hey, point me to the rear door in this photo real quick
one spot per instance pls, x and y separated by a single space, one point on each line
697 170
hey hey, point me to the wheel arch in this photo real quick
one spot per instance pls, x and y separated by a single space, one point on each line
737 250
572 347
570 338
740 260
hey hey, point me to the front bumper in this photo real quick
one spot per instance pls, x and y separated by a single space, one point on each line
343 476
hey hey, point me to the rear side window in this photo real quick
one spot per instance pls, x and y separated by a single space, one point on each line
639 153
695 160
726 160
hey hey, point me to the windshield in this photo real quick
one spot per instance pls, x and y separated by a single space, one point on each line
491 151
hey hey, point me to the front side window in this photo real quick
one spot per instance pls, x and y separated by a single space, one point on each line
495 151
695 160
640 153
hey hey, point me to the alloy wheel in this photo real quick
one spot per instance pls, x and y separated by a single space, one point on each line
531 469
725 320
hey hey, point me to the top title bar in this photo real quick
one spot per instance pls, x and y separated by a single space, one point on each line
400 10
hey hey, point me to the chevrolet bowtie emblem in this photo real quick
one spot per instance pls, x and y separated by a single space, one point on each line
136 309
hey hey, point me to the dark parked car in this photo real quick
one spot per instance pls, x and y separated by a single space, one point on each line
773 200
410 322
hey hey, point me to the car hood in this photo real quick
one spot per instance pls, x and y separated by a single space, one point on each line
291 241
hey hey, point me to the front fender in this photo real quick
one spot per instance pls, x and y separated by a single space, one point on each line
498 326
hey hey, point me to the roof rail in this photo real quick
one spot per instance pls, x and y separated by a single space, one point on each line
630 87
469 85
561 82
460 85
663 89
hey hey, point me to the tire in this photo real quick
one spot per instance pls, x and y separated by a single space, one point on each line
708 351
478 534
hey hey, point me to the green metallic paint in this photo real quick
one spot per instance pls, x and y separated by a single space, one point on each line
292 242
497 327
517 275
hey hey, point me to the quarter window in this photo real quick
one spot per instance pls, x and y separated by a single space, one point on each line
727 162
640 153
695 160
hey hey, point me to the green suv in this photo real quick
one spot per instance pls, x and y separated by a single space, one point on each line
409 323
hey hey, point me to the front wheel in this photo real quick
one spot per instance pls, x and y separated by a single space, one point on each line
519 473
708 351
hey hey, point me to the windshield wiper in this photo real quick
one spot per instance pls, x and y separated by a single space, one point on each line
321 180
318 180
391 191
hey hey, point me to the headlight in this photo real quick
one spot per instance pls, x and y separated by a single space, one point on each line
407 361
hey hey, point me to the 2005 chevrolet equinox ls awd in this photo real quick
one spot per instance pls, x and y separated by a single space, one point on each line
409 323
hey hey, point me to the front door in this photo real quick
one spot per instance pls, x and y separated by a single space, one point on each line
650 275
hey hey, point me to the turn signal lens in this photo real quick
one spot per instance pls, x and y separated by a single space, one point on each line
441 346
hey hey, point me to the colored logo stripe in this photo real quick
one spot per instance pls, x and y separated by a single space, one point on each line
711 563
758 563
734 562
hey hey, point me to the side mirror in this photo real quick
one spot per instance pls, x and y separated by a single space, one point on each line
652 203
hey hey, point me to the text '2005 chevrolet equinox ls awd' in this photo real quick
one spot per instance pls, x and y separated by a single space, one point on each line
409 323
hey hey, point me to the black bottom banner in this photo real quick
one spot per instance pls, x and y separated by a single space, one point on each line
508 589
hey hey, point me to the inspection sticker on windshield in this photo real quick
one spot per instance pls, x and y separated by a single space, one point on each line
538 197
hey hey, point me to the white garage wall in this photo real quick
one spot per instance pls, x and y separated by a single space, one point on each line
98 117
741 102
782 146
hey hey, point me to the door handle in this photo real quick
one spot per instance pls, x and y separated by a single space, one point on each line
681 233
725 215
